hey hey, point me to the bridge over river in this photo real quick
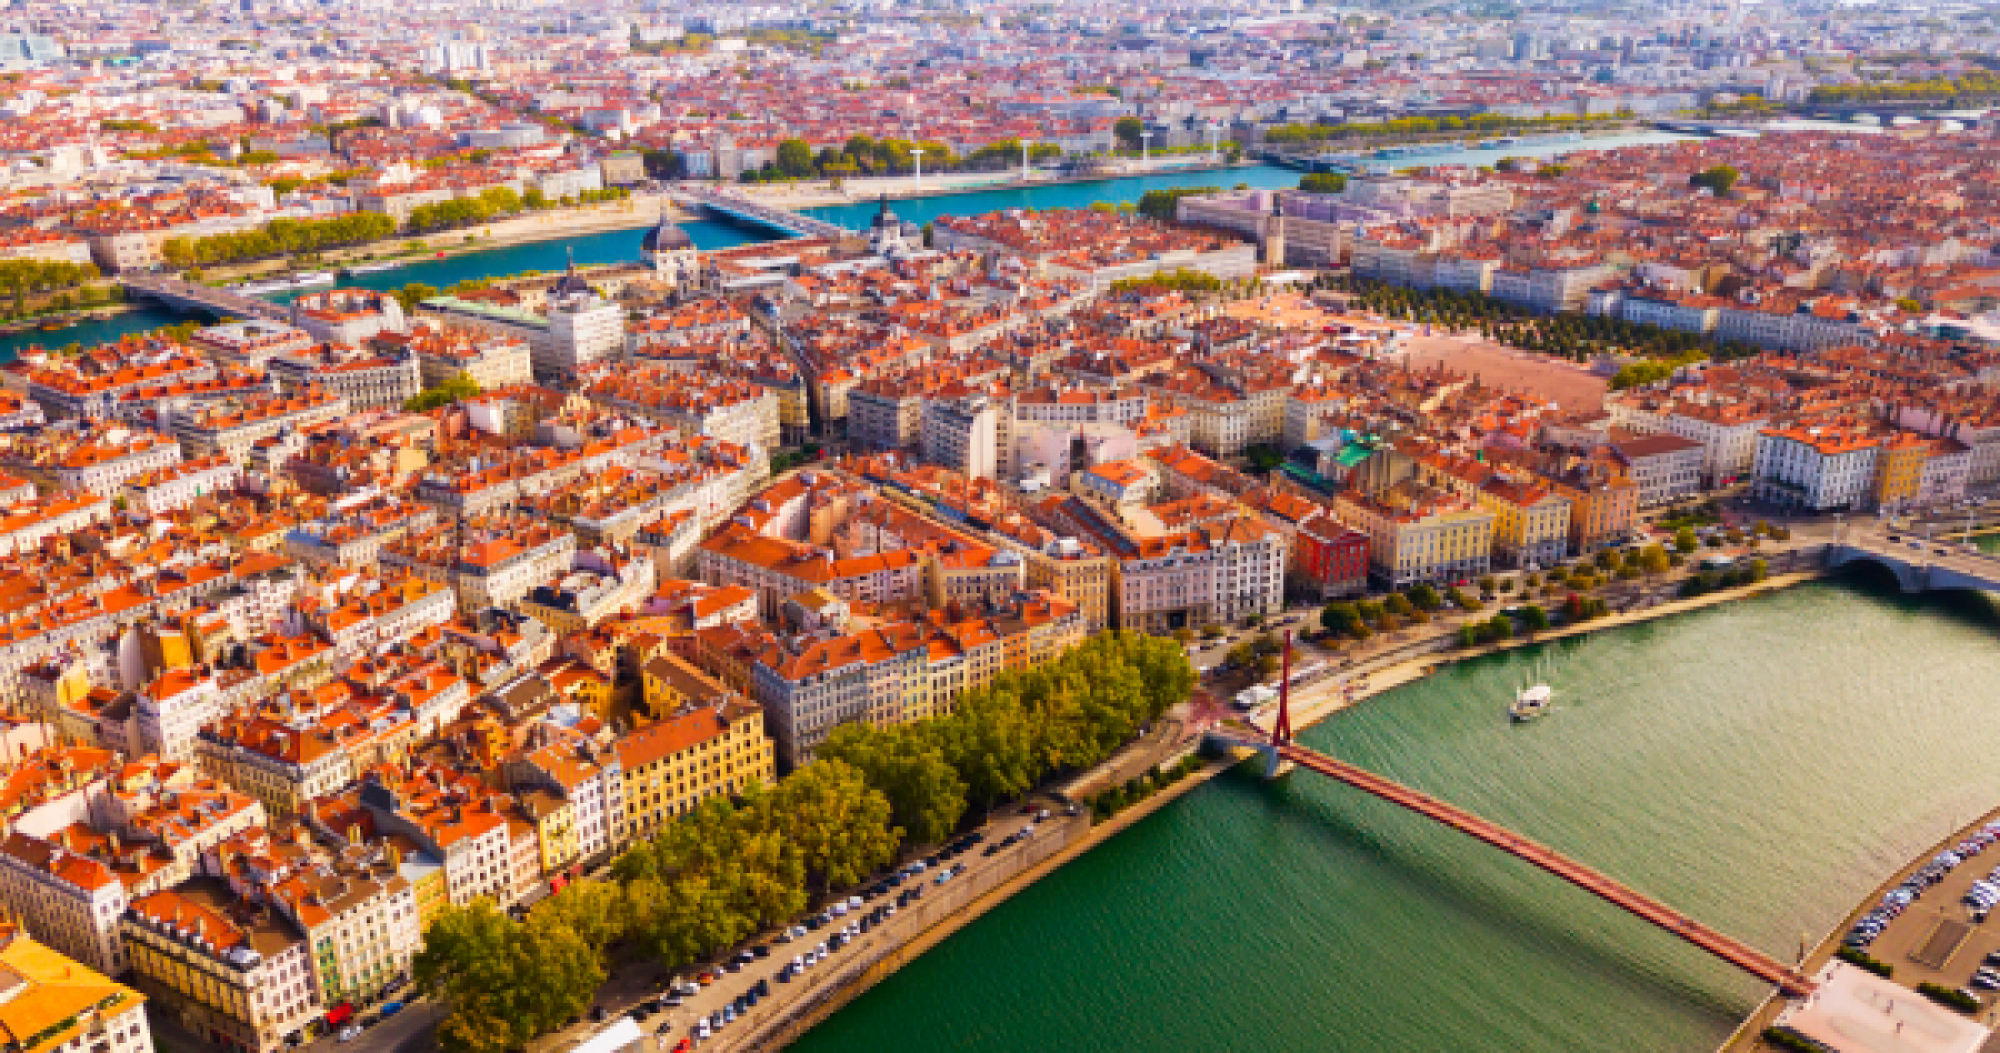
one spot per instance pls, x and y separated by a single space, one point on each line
190 298
1282 754
1919 564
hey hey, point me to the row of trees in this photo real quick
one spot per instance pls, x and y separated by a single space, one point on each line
1181 280
1975 84
730 869
1745 573
495 203
1564 335
281 237
278 237
865 156
1288 134
21 277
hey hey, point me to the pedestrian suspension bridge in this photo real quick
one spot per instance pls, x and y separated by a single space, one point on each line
1281 754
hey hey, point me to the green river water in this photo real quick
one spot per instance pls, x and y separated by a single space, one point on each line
1760 765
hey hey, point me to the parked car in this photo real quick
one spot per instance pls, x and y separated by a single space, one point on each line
349 1033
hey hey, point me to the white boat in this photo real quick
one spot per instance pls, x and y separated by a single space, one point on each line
312 278
260 288
373 268
1530 703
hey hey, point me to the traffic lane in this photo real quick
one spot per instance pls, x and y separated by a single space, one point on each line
908 923
675 1023
410 1031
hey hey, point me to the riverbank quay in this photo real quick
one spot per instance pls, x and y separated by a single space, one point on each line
1421 658
821 194
631 213
1749 1035
792 1009
878 963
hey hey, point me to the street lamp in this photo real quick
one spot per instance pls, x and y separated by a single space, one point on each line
919 155
1024 160
1145 149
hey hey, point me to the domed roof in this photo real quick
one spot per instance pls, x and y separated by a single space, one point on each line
665 238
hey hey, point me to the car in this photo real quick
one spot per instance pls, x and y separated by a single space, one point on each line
944 877
993 850
763 988
919 867
1986 980
854 903
349 1033
732 965
597 1014
390 1009
673 1001
838 910
702 1030
729 1014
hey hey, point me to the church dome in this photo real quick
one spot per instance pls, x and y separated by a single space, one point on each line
666 237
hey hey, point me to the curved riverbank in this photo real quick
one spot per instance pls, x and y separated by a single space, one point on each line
1757 764
1748 1036
1310 707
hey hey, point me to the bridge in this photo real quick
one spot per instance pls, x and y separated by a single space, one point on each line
190 298
1919 565
1281 752
743 210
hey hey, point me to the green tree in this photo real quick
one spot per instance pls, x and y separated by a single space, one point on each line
1340 618
840 824
414 293
1424 597
1718 179
1684 541
458 388
1323 182
594 910
1165 204
795 158
505 982
1534 617
1128 130
1653 559
926 796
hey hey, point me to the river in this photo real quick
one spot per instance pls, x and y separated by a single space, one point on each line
1760 765
621 246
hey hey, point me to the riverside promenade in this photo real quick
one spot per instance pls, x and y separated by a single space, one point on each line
793 1008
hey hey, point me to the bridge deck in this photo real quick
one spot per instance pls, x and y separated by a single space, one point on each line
189 296
1729 949
766 215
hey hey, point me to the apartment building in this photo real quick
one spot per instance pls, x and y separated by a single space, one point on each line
57 1004
1419 533
1820 468
1665 467
693 753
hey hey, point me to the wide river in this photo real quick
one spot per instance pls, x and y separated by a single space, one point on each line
620 246
1761 765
